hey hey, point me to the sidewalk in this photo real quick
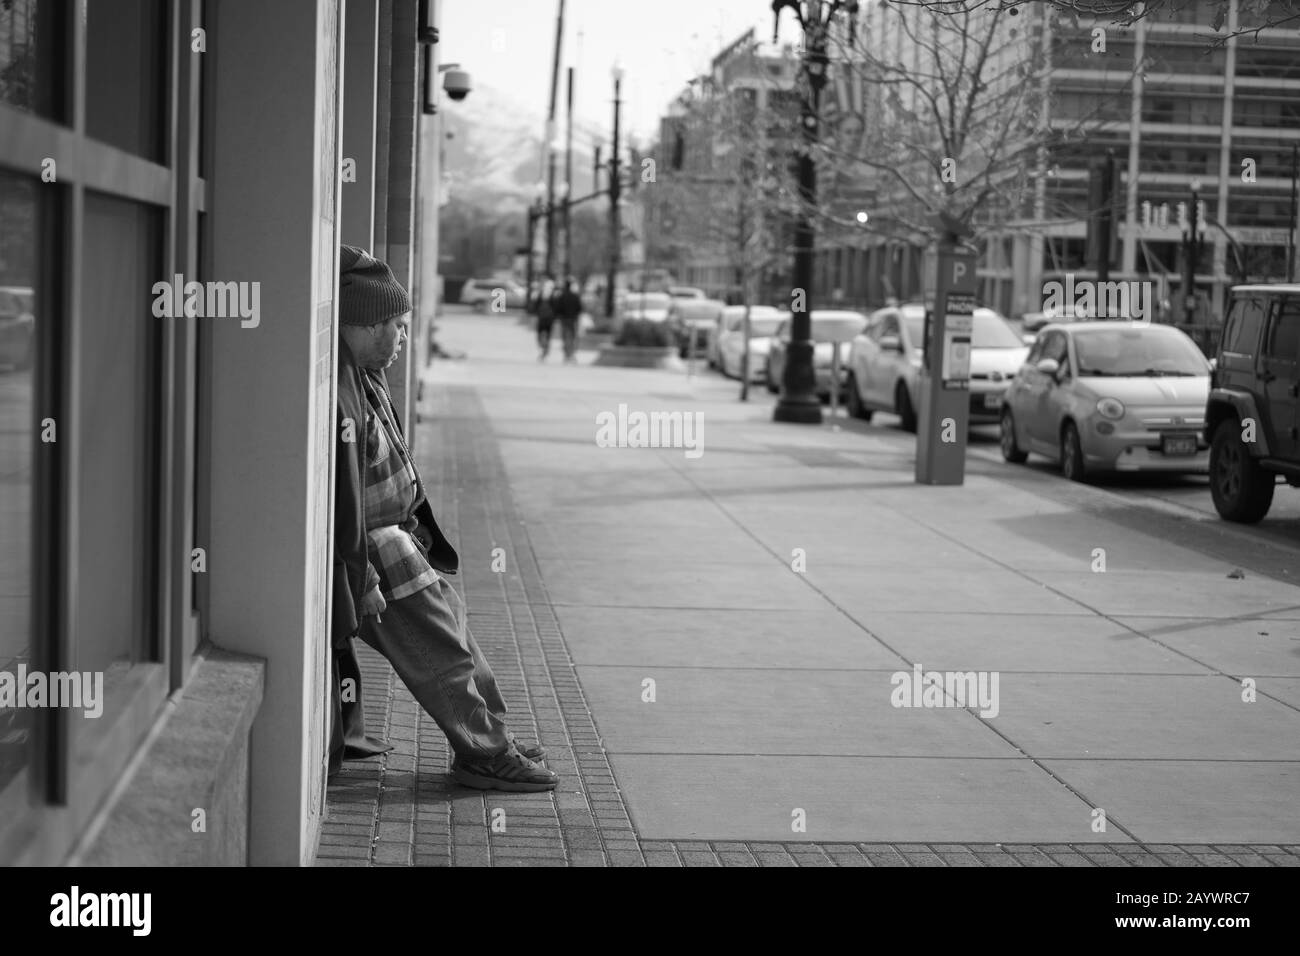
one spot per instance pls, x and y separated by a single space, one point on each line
1119 690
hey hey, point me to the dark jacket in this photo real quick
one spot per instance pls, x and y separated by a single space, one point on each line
353 573
567 305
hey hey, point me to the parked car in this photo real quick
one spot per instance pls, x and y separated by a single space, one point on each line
686 292
694 317
1109 396
885 364
1252 414
651 306
728 345
481 293
831 329
17 326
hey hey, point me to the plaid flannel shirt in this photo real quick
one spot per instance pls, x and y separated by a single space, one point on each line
393 491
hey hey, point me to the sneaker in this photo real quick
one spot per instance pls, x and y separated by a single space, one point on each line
510 771
531 751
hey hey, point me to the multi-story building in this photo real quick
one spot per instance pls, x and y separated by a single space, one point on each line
755 91
1179 110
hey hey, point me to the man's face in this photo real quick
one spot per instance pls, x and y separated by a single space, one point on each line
387 341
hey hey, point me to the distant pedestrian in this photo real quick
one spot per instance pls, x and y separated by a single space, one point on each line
545 311
568 307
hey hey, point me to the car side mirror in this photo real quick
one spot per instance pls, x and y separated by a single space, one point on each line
891 343
1049 367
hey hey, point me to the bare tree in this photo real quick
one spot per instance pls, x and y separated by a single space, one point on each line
1260 14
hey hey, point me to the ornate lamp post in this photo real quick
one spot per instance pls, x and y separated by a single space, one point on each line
615 228
799 402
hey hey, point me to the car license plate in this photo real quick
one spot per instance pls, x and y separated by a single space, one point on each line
992 400
1178 444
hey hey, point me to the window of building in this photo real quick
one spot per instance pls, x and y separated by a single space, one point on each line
125 80
30 34
21 309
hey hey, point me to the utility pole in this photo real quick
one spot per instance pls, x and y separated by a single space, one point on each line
568 183
550 144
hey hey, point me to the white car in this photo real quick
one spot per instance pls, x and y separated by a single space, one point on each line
686 292
831 331
481 293
1110 396
649 306
885 362
729 343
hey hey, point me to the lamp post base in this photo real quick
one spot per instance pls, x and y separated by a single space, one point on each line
798 411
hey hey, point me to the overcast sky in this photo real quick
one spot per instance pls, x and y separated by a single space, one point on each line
661 44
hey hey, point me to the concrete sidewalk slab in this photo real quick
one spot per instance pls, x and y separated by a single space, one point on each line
1079 643
859 799
706 638
1194 801
1143 717
1253 647
760 711
609 583
1175 593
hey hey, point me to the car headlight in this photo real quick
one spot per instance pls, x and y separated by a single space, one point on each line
1111 408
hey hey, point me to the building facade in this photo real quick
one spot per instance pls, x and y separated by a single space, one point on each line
1179 111
175 180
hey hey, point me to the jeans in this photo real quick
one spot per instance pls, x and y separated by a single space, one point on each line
544 335
424 637
569 330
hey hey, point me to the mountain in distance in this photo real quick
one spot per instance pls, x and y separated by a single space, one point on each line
493 159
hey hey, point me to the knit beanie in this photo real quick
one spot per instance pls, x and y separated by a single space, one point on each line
369 293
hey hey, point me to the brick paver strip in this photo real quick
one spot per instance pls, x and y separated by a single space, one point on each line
404 809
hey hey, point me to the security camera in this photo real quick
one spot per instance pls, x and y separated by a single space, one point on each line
456 83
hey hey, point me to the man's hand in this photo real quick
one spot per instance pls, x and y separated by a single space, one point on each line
424 536
373 603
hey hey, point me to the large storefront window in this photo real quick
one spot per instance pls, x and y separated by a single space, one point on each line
118 406
19 312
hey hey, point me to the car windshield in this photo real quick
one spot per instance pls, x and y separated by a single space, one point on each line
758 327
1152 351
836 328
990 331
650 300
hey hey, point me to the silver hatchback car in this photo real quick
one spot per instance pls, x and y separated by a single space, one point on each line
1109 396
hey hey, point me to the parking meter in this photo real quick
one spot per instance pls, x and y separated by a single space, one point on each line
944 378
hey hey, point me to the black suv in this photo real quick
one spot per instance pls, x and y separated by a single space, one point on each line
1252 418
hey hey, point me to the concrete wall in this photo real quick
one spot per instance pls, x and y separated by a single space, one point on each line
273 210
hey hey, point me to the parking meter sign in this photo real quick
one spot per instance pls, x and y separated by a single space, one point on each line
944 385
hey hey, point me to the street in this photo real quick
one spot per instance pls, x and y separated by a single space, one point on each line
737 628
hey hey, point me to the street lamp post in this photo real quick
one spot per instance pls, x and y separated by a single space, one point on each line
615 228
535 212
799 402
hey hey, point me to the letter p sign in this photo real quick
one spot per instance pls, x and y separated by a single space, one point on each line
958 272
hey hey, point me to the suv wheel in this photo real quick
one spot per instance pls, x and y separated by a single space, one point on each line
1072 463
1242 490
